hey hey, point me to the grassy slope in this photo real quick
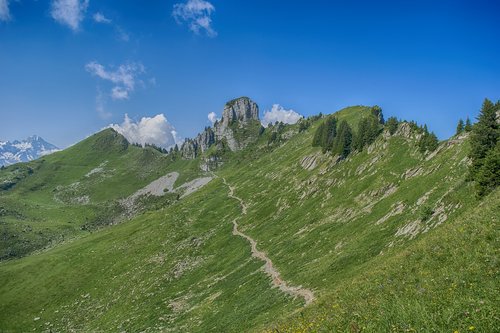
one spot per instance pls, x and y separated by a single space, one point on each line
181 269
320 225
447 281
41 208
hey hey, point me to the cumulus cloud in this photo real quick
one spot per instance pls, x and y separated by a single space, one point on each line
212 117
197 15
69 12
280 114
100 18
124 77
156 130
4 10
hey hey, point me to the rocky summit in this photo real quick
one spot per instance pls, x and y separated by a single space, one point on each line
236 130
242 110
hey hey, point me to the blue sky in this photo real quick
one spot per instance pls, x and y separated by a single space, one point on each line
66 72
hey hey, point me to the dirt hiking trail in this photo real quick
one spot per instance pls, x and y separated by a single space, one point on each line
269 269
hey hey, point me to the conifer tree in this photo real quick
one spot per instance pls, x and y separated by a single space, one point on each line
483 152
317 135
360 138
377 112
428 142
368 130
325 133
392 125
343 141
329 133
468 125
488 176
460 127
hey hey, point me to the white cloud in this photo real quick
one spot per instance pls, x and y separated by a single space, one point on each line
119 93
69 12
124 77
156 130
212 117
4 10
100 18
278 113
100 102
197 14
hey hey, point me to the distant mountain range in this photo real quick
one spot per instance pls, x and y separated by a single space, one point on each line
25 150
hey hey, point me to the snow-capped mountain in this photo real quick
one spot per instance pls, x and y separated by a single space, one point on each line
24 151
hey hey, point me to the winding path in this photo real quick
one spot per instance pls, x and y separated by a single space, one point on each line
268 266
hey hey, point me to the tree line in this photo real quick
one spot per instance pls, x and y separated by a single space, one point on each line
339 138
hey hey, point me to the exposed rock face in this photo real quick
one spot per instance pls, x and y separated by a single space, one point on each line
241 109
189 149
404 130
239 114
205 139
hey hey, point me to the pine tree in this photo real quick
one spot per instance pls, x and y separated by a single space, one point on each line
484 148
360 138
325 133
468 125
428 141
460 127
317 135
343 141
432 142
488 176
484 136
329 132
368 130
392 125
373 129
377 112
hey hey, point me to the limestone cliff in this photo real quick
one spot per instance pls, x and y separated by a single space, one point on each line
239 126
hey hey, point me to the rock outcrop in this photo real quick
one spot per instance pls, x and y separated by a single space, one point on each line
239 115
189 149
237 128
205 139
242 110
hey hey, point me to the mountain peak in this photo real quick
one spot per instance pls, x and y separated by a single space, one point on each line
35 138
26 150
238 127
241 109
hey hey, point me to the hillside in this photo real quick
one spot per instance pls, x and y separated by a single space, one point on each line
282 238
74 191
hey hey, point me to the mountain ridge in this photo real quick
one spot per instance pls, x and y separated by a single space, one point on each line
182 264
25 150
